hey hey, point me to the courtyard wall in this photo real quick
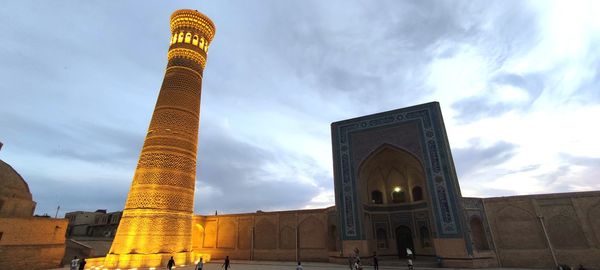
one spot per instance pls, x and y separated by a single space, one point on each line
31 243
525 228
283 235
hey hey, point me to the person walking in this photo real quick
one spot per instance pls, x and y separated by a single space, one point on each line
357 264
410 264
409 253
375 261
226 263
75 263
171 263
199 265
299 266
82 264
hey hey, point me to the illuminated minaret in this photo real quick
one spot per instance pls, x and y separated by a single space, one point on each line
157 219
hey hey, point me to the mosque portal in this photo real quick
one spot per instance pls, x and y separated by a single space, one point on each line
396 187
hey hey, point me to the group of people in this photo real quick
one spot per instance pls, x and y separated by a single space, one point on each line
355 264
199 264
77 264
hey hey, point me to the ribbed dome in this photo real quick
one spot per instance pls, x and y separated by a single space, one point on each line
12 185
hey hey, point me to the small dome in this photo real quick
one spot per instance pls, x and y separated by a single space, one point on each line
15 197
12 185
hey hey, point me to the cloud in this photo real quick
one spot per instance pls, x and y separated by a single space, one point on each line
236 176
79 80
478 157
475 108
89 195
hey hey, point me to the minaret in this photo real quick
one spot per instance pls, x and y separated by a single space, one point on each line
157 219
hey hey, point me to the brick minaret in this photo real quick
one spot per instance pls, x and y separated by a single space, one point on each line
157 219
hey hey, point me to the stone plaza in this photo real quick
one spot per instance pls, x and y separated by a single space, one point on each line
279 265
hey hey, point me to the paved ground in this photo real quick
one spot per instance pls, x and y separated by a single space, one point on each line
269 265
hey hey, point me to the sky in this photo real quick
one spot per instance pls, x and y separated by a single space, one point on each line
518 83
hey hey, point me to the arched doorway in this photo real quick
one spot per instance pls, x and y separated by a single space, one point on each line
403 241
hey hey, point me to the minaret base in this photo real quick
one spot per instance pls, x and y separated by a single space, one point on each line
144 261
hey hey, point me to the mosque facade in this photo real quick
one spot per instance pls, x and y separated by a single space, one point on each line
396 189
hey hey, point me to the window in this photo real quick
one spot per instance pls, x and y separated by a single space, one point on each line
398 196
1 233
417 194
381 238
376 197
424 234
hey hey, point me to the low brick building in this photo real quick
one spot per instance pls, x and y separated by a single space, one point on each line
99 223
26 242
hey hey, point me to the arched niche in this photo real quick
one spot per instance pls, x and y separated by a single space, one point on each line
518 229
425 237
287 238
565 233
376 197
265 238
478 234
312 233
332 238
417 193
416 184
381 235
594 220
227 234
391 171
198 234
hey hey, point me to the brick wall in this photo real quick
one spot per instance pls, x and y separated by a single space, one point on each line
31 243
571 220
264 235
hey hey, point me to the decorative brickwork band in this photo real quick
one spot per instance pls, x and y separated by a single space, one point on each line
157 219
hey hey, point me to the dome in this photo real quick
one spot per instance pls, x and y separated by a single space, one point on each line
12 185
15 197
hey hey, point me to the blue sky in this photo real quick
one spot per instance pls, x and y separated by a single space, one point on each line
518 82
